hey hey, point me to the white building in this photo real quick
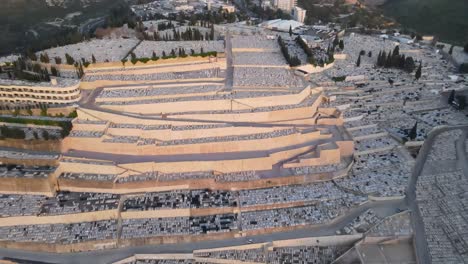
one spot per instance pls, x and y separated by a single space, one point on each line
286 5
299 14
281 25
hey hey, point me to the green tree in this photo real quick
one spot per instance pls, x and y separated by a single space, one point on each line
388 60
93 59
358 62
451 97
450 50
409 65
418 72
379 59
212 32
413 132
464 68
290 31
41 58
31 55
336 42
341 45
69 59
154 57
54 71
44 111
45 134
396 51
461 99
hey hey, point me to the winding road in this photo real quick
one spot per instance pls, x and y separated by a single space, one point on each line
112 255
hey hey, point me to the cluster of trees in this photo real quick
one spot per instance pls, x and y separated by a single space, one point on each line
268 13
458 101
121 15
206 18
24 69
362 53
292 60
325 13
12 132
413 132
164 26
174 53
396 60
370 19
65 125
339 78
337 42
187 35
79 69
464 68
18 133
310 54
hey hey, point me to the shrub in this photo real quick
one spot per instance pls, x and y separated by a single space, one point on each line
464 68
339 79
144 60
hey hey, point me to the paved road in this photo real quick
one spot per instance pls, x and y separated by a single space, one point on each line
91 25
108 256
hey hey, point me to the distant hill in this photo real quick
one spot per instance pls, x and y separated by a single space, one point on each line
25 22
447 19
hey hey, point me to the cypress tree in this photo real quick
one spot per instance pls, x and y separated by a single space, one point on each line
413 132
451 50
358 62
401 64
212 33
46 58
388 60
379 59
409 65
396 51
451 97
418 72
336 42
341 45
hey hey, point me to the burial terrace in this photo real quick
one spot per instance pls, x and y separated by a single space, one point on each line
441 200
104 50
146 48
240 146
